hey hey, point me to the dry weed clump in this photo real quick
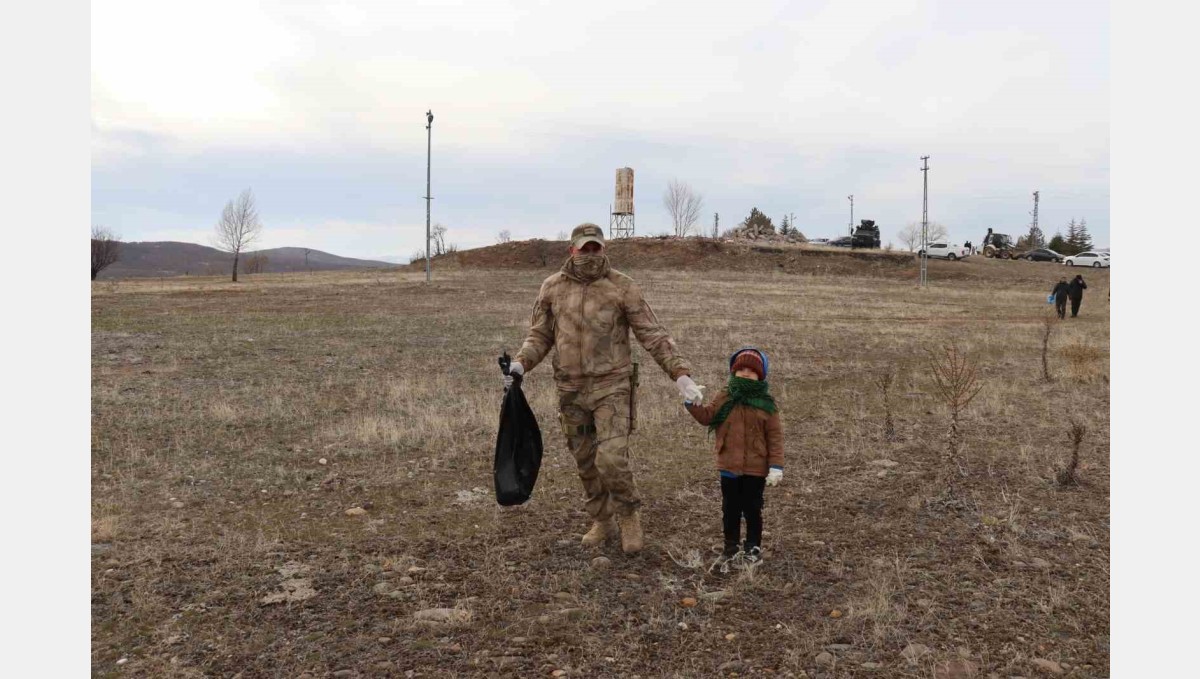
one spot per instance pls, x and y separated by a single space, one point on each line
1084 360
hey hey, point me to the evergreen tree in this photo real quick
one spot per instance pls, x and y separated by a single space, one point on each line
785 227
1070 242
1058 244
758 220
1035 238
1083 239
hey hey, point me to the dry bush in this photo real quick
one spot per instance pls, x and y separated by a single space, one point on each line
956 383
884 380
1047 331
1069 474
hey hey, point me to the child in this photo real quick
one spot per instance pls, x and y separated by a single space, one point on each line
749 448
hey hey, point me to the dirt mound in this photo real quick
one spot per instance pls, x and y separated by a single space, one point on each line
692 253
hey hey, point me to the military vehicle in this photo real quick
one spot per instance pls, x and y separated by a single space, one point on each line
866 235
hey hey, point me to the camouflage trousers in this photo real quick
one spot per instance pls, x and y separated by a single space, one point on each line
596 424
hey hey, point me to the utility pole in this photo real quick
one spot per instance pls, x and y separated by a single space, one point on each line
1035 210
925 223
851 197
428 196
716 222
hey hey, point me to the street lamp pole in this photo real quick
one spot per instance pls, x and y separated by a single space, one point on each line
428 197
851 197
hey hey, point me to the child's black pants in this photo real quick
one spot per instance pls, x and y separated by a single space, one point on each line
742 496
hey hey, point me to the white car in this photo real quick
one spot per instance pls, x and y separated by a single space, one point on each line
1093 259
946 251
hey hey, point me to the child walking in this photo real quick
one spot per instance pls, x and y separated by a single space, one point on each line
749 448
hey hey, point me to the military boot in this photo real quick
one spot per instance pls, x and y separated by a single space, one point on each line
602 529
631 532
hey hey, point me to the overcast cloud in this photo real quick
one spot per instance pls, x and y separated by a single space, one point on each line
784 106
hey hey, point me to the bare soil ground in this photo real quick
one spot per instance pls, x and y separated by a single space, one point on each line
233 426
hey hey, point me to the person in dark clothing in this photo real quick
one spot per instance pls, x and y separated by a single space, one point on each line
987 238
1060 292
1075 292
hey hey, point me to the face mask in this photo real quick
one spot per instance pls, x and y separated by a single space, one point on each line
588 265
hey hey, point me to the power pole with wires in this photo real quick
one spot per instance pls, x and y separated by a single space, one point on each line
925 223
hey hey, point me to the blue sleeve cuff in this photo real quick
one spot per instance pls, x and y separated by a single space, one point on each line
777 466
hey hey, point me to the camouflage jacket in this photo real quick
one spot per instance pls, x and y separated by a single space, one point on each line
588 324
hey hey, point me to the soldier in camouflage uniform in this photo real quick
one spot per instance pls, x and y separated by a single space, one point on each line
585 312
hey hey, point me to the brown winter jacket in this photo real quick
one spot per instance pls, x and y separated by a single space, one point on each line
749 441
588 325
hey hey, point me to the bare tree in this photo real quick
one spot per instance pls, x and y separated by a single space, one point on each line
562 235
307 252
106 249
238 227
910 235
504 236
254 264
438 235
684 205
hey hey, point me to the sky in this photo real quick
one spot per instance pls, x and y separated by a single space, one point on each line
789 107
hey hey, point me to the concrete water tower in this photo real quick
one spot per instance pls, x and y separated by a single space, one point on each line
620 222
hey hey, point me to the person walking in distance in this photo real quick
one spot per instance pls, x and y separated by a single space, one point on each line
1075 292
585 313
1060 292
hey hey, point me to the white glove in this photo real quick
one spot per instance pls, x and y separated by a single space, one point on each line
774 477
515 369
692 392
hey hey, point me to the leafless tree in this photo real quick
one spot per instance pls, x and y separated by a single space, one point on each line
438 235
684 206
106 249
562 235
255 264
504 236
238 227
910 235
307 252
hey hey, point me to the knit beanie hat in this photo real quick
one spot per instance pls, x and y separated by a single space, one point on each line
748 358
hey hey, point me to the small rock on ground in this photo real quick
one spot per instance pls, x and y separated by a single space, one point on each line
601 562
824 658
355 511
958 668
731 666
443 615
1048 666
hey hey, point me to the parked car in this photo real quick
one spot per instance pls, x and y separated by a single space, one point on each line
1098 260
1041 255
819 241
945 251
843 242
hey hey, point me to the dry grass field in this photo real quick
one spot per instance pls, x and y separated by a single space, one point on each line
233 426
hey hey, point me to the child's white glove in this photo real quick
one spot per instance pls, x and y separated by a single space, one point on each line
774 476
515 369
692 392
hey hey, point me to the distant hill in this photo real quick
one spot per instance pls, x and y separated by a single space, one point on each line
171 258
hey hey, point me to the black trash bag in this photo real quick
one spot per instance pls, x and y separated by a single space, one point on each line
518 445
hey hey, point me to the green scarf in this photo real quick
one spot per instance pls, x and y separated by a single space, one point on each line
742 391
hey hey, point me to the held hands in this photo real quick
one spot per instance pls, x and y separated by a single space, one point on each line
774 476
693 393
515 369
